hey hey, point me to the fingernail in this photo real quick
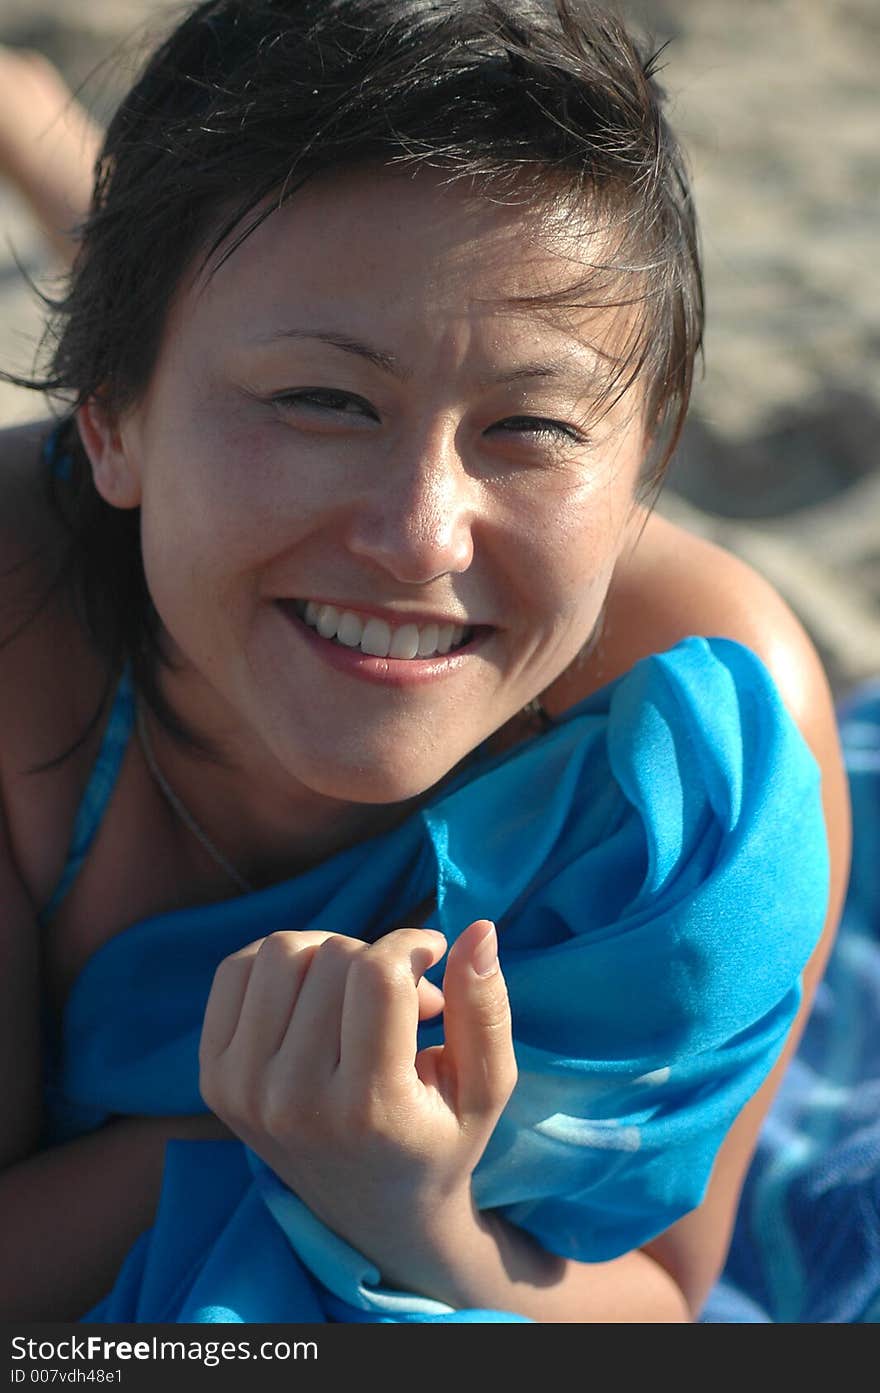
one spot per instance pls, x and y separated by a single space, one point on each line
485 954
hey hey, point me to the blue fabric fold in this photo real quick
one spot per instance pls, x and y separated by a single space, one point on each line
656 863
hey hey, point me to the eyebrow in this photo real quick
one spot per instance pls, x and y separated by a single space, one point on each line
386 361
551 370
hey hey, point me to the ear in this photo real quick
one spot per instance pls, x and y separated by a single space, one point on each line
116 475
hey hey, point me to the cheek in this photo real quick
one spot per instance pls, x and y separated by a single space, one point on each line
213 497
197 546
573 567
574 548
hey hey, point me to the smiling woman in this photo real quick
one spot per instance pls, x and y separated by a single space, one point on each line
322 470
379 337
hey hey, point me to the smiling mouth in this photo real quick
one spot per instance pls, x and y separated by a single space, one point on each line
378 639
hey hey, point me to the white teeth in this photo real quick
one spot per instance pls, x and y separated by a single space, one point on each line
428 640
376 638
350 630
405 642
328 617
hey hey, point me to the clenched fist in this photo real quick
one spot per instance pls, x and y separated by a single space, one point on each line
309 1054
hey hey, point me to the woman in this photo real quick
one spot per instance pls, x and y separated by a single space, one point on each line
331 636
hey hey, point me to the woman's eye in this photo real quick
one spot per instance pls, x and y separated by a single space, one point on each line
540 427
324 400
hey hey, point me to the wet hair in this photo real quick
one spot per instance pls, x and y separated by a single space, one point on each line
547 103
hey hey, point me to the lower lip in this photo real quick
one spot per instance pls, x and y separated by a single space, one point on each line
387 672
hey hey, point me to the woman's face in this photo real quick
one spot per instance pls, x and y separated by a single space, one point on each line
352 415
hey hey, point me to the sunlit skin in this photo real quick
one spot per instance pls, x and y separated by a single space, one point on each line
457 470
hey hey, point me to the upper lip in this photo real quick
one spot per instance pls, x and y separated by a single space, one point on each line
393 617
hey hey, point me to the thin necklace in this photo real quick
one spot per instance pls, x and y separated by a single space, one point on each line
184 814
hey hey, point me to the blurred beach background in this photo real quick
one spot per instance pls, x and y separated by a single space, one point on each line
778 105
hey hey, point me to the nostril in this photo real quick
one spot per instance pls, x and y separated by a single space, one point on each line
414 555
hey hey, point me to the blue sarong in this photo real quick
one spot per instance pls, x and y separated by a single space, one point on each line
657 866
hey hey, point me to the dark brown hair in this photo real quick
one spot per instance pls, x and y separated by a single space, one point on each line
547 101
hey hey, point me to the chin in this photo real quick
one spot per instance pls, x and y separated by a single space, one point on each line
374 783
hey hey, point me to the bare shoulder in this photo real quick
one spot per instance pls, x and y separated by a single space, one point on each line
23 516
32 549
25 547
675 584
49 680
32 534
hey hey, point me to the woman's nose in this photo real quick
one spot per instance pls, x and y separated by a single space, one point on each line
416 523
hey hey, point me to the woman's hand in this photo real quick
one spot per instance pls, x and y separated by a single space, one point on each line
308 1052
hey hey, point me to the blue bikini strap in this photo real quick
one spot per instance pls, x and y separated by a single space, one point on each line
98 791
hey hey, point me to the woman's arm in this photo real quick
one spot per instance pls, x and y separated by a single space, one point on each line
48 145
480 1260
20 1059
694 1249
677 584
69 1214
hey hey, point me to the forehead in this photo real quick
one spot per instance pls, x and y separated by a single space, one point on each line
378 219
415 252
